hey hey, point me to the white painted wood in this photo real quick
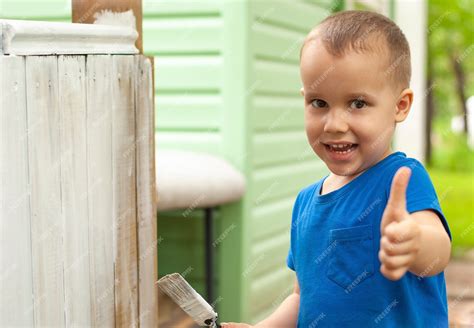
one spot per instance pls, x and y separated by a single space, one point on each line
77 192
72 104
124 191
16 301
45 38
146 196
99 167
411 16
44 172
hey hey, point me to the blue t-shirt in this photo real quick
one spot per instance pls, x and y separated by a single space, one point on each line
335 240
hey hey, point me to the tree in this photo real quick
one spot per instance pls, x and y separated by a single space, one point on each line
450 62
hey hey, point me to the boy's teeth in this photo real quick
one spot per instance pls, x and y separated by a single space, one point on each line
341 147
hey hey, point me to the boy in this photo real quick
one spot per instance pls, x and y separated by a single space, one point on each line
369 241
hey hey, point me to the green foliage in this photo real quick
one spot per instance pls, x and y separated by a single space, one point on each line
456 194
453 153
450 36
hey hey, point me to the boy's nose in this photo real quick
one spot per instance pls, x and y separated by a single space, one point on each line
336 122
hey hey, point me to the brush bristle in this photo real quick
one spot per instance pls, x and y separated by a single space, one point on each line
181 292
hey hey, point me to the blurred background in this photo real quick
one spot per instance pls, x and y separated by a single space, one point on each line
227 84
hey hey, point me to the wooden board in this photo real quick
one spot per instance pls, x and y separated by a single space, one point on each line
99 167
16 303
72 104
146 198
77 194
44 171
50 38
124 191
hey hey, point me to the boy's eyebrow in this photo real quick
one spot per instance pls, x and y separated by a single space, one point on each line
361 95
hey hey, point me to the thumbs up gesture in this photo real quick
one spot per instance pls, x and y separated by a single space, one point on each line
400 233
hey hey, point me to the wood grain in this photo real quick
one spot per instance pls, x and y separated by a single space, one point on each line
124 191
44 171
16 303
78 239
72 102
146 199
99 168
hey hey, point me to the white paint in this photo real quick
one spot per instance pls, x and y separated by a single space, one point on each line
72 88
108 17
44 171
68 169
124 190
48 38
99 168
16 303
146 196
409 135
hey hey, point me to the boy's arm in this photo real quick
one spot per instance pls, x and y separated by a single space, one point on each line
415 242
285 316
435 246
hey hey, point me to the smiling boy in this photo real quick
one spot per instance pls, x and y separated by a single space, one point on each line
369 241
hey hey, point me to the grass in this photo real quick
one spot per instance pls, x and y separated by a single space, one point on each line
455 191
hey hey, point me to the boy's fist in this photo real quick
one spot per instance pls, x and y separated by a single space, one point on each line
400 233
235 325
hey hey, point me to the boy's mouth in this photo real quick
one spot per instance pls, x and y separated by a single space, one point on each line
341 148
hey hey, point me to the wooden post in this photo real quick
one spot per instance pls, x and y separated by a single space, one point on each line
83 11
78 180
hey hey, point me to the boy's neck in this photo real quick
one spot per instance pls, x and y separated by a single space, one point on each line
334 182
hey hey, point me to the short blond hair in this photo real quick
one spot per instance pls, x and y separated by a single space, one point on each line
366 31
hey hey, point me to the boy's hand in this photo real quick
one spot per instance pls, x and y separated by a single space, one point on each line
400 233
235 325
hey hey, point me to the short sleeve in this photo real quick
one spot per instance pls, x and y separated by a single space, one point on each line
289 260
421 194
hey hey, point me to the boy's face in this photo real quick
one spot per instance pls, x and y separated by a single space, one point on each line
350 99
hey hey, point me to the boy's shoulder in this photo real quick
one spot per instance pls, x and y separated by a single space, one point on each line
401 160
385 170
388 166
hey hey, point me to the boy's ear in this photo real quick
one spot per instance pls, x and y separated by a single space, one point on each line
302 91
403 105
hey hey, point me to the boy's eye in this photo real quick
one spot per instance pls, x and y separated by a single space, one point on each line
358 104
318 103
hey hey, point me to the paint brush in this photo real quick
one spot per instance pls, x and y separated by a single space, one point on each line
181 292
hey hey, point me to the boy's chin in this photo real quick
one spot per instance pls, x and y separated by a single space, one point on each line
341 171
